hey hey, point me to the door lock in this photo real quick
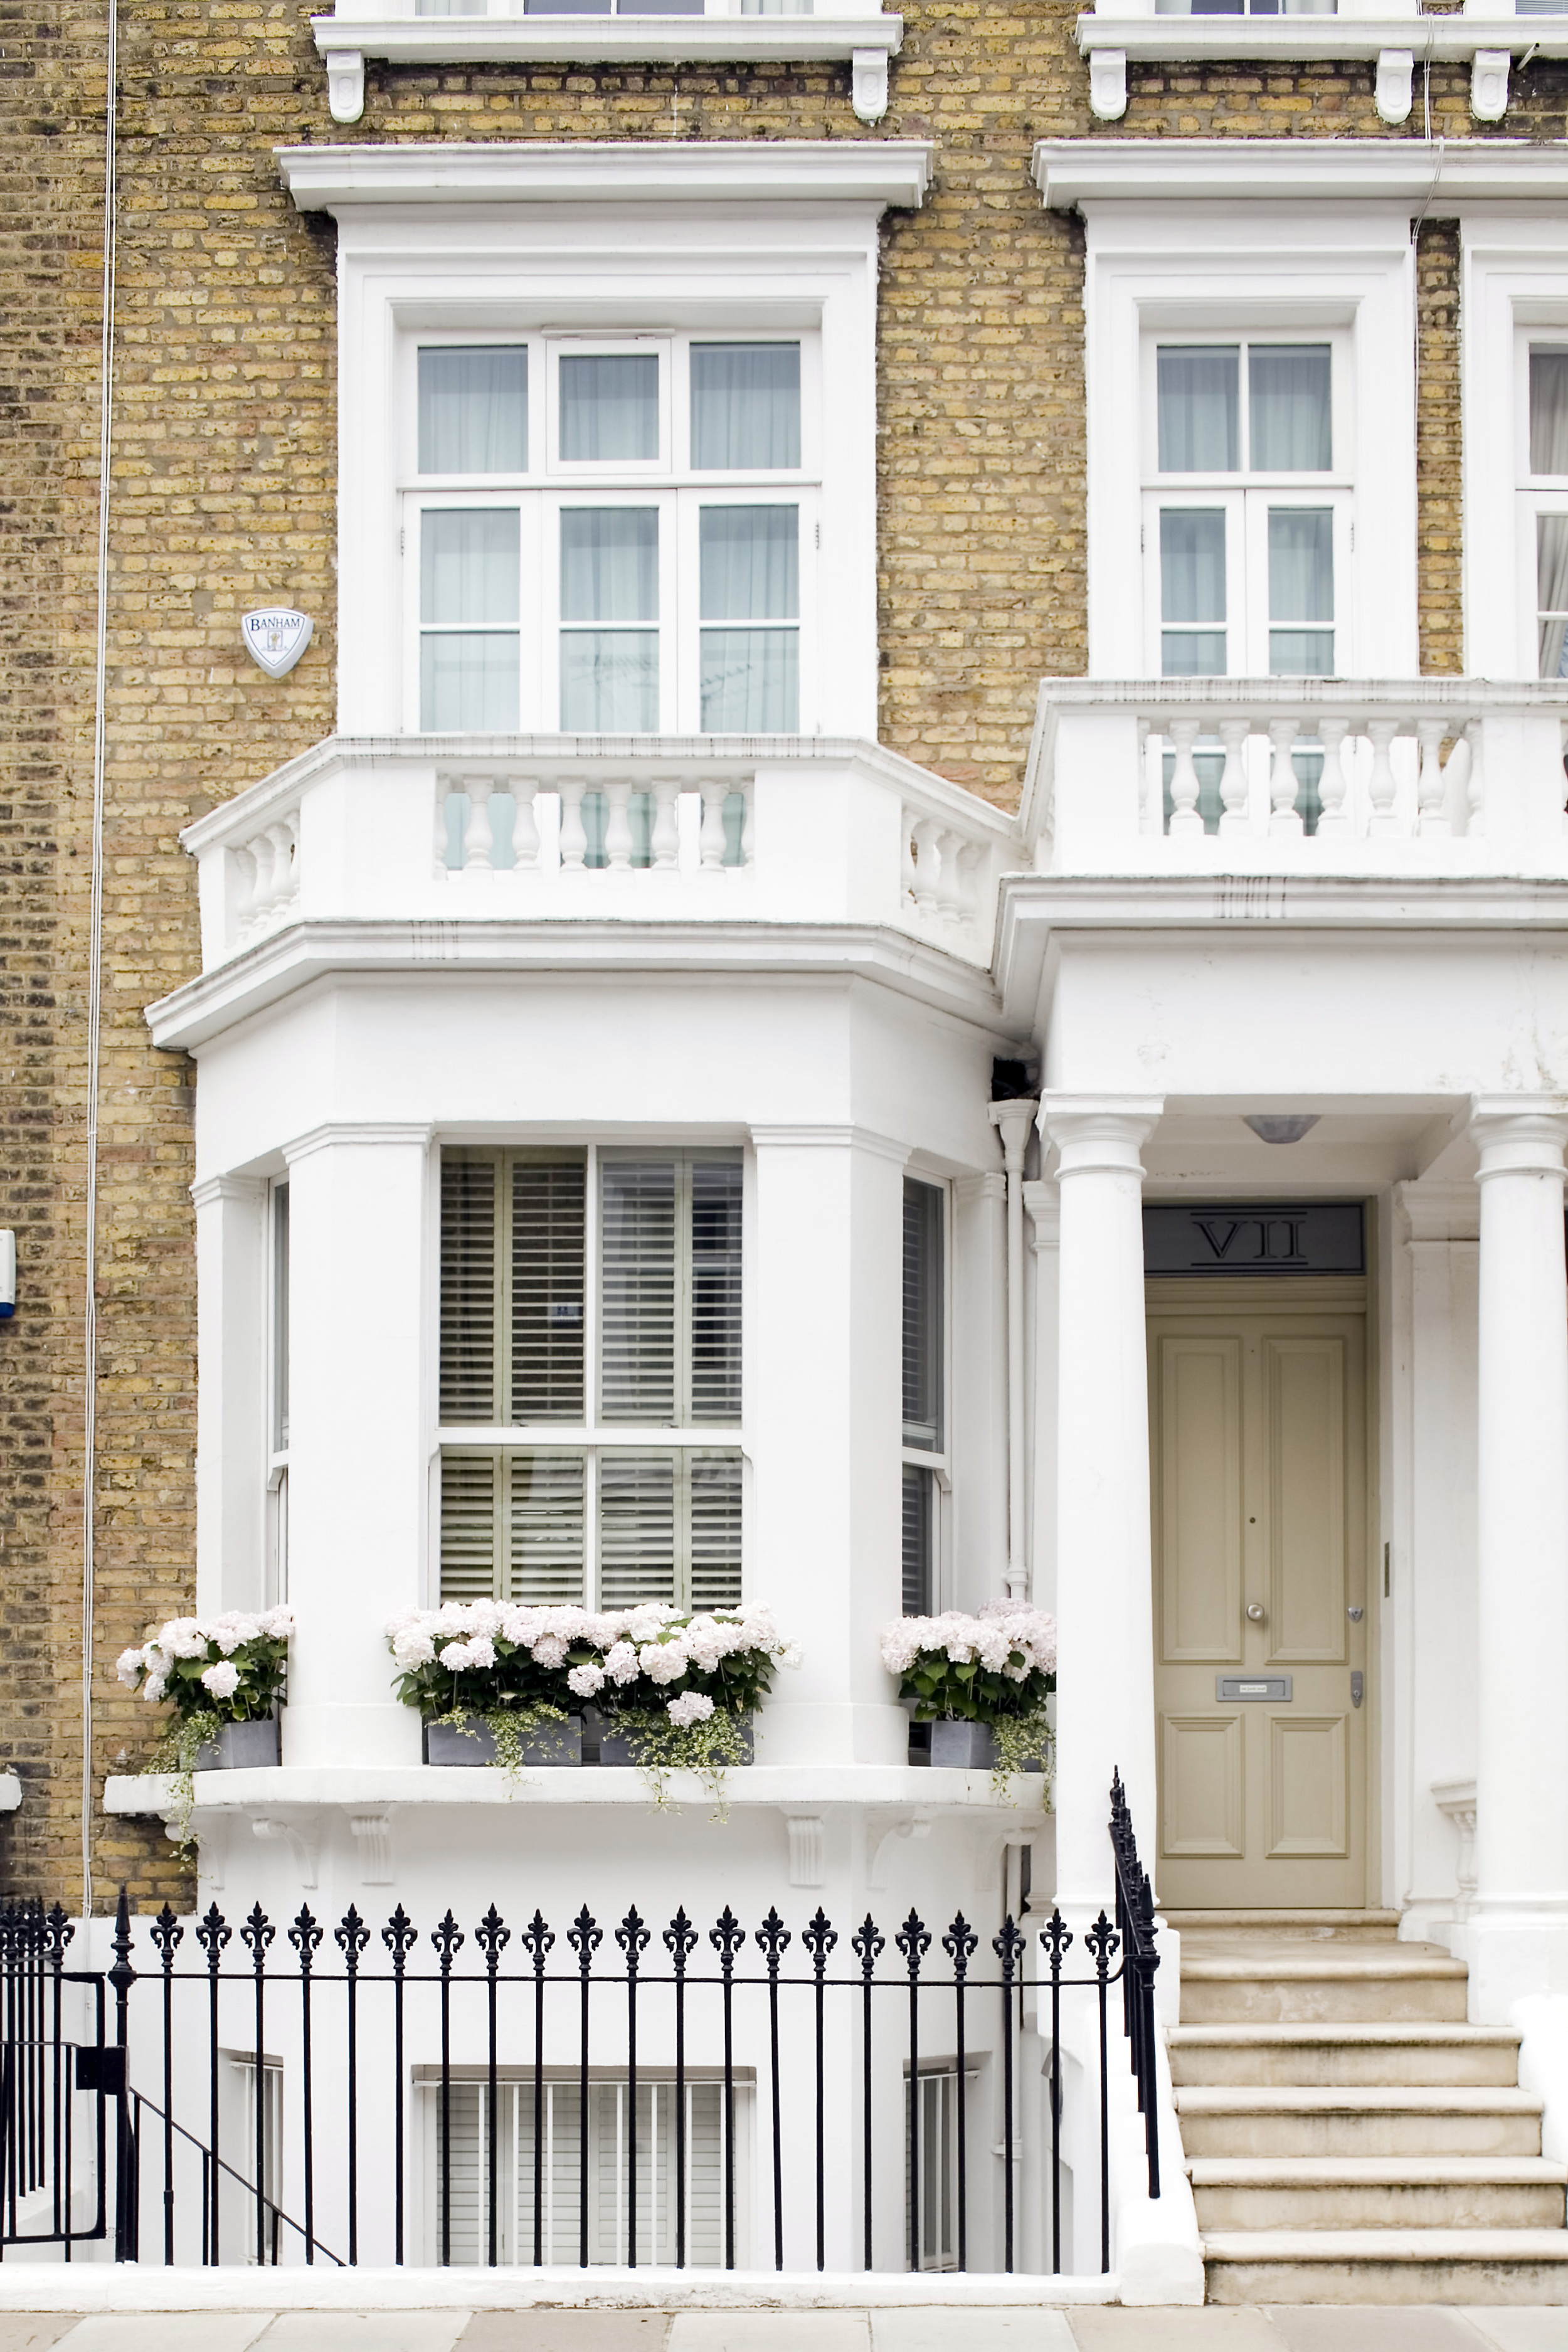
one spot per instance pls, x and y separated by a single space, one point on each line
1255 1611
1358 1685
1355 1615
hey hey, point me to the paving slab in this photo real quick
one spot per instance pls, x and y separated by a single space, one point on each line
1516 2330
771 2331
30 2331
365 2331
1372 2327
961 2331
167 2331
1214 2328
562 2331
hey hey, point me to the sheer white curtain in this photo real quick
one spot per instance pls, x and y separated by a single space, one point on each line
750 572
1300 591
1192 591
473 410
1549 412
469 643
609 407
745 404
609 573
1552 591
1199 408
1288 391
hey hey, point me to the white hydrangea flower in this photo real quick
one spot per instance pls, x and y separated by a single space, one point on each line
549 1651
130 1665
585 1682
456 1655
222 1680
691 1706
413 1646
182 1637
621 1662
664 1661
155 1686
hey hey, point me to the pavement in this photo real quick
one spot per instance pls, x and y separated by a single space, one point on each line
1103 2329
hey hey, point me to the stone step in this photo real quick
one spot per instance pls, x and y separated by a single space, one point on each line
1348 2054
1378 2192
1389 1985
1273 2119
1340 1926
1387 2267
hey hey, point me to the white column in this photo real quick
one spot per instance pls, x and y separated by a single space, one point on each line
1105 1697
1518 1938
824 1424
359 1475
1042 1202
1013 1122
231 1400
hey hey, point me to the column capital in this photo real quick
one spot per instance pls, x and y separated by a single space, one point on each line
1522 1134
1013 1122
1439 1213
372 1131
843 1137
1043 1201
1098 1134
990 1184
208 1189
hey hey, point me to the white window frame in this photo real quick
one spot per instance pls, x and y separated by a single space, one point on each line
1534 494
1161 269
595 1437
937 1460
745 240
1513 292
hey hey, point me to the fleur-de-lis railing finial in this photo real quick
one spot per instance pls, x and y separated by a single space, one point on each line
633 1936
728 1938
305 1935
537 1941
448 1939
584 1936
259 1933
819 1938
351 1935
773 1936
960 1944
167 1936
492 1936
680 1940
399 1935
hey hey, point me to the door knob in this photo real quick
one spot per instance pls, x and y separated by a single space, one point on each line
1255 1610
1355 1615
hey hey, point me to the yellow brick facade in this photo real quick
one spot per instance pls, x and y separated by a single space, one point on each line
223 497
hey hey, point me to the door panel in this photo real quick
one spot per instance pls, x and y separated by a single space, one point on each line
1259 1440
1200 1496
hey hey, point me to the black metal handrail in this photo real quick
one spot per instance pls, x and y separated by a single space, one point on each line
601 2001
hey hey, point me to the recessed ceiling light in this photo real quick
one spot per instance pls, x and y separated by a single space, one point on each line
1287 1129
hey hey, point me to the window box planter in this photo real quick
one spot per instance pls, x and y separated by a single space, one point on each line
615 1749
957 1745
240 1747
475 1744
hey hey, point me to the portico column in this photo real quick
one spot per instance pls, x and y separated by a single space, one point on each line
1105 1697
1518 1940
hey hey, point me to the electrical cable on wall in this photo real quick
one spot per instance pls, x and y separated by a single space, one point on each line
95 969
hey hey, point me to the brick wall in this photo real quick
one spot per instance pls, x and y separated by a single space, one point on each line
223 489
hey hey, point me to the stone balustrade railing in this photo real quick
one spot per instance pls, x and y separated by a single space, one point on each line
1308 774
791 829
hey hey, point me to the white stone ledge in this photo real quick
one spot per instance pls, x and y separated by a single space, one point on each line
1305 39
824 1789
1438 183
618 171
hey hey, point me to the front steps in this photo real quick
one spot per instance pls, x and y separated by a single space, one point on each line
1350 2139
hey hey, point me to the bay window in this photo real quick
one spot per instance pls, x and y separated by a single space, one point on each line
1247 523
1544 481
608 536
590 1376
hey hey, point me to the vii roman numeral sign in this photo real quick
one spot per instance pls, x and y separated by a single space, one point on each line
1254 1237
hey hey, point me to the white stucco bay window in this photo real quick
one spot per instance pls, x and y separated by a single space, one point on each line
607 420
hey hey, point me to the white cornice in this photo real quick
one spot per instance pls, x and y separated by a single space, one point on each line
631 172
606 40
1439 180
1306 38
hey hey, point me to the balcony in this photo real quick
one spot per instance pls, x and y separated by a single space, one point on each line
1434 777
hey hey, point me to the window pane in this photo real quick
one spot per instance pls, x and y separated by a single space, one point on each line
566 8
1291 428
609 681
468 1383
1193 653
1549 412
1552 590
1300 652
609 407
1191 564
922 1315
544 1528
1199 409
715 1290
609 563
637 1529
638 1280
548 1203
751 681
469 565
918 1582
750 559
1300 563
473 411
714 1481
470 1484
468 683
745 404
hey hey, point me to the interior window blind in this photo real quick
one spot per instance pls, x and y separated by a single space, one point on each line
470 1293
639 1279
922 1315
511 2162
548 1269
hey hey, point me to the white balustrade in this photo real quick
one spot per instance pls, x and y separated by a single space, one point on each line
1299 774
268 868
619 827
942 868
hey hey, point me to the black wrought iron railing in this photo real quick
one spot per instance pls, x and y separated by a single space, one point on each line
736 2097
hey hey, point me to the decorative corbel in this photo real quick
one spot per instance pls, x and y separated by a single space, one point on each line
272 1830
869 85
805 1856
345 84
918 1825
1489 84
373 1837
1108 84
1392 91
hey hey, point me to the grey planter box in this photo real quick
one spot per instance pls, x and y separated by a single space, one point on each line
555 1743
963 1747
240 1747
615 1749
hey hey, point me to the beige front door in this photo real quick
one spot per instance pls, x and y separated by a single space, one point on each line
1258 1421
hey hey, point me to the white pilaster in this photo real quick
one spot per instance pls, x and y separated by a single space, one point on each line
359 1450
1517 1940
231 1402
977 1401
1013 1122
1105 1697
1042 1202
824 1410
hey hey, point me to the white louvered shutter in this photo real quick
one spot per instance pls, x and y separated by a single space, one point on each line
715 1290
470 1289
545 1528
548 1270
713 1505
470 1486
637 1526
637 1286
